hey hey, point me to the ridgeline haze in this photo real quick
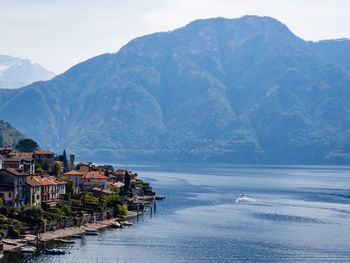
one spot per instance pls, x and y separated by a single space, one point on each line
16 72
241 90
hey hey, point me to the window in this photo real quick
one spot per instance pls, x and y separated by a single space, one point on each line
9 195
37 197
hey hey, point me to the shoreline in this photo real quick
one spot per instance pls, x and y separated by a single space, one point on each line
62 233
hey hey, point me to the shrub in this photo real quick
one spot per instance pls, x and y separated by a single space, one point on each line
13 212
113 200
67 210
13 232
3 211
31 214
122 210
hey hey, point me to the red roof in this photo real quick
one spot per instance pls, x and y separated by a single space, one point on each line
94 175
43 180
33 180
24 155
43 152
94 183
5 149
73 172
15 171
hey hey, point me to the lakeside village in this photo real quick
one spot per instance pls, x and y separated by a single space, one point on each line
45 197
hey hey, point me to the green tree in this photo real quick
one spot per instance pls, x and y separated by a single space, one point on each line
113 200
60 158
77 167
122 210
13 212
114 189
107 167
27 145
37 165
67 210
65 163
69 186
56 170
47 166
127 182
31 214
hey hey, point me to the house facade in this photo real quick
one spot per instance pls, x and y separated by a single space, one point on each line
33 191
20 160
76 177
94 179
14 180
7 194
51 188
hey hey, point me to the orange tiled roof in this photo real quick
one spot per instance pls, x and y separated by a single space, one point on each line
5 149
24 155
33 181
43 152
44 180
73 172
15 171
94 175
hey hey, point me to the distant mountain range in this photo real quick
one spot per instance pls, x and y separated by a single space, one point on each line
241 90
16 72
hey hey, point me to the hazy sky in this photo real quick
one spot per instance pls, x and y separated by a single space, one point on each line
60 33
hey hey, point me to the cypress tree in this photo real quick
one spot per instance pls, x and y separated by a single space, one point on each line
127 181
65 163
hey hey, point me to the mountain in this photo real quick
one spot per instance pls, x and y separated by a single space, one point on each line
241 90
9 136
17 73
335 51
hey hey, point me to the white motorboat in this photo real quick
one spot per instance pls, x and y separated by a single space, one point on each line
28 249
242 197
126 223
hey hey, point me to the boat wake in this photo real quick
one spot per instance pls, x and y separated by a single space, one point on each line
243 198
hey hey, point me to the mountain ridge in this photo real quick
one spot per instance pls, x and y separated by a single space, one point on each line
16 72
237 90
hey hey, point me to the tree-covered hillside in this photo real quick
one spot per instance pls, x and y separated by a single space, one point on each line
9 136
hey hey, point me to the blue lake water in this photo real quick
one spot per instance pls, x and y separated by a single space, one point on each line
290 214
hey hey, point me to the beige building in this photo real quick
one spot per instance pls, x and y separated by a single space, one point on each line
76 177
33 191
94 179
